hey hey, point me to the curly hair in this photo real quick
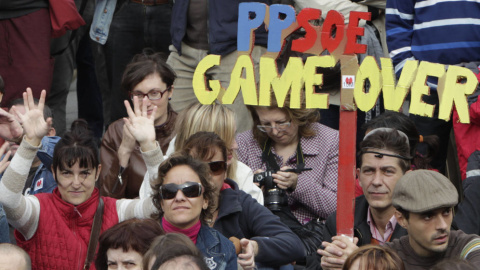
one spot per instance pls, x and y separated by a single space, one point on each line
375 257
203 172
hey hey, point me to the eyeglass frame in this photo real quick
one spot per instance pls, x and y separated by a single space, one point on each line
278 127
143 95
181 188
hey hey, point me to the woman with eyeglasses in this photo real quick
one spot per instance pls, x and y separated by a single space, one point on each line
302 156
55 228
266 242
185 200
149 79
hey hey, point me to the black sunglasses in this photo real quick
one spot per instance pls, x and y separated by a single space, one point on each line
217 167
189 189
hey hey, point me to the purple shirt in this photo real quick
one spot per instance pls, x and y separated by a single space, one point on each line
316 193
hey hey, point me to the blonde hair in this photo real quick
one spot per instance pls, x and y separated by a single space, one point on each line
215 118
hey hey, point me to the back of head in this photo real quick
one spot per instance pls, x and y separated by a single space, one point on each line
77 145
14 257
143 65
387 139
372 257
170 246
133 234
211 118
424 190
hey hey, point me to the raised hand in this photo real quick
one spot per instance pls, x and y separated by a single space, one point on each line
34 125
10 128
247 258
140 124
4 162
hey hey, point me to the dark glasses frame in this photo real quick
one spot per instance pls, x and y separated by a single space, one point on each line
189 189
217 167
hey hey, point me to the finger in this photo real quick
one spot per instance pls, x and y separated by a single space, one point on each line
334 261
129 108
144 107
154 111
334 251
31 102
25 101
4 166
4 147
136 106
41 101
49 122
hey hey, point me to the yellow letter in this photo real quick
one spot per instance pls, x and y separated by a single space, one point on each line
393 97
311 78
368 70
204 95
292 78
451 92
419 88
248 86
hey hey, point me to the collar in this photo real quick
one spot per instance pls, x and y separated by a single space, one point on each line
166 129
83 212
389 228
229 200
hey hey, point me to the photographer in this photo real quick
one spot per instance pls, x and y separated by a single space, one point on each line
283 139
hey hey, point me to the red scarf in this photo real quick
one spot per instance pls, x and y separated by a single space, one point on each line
191 232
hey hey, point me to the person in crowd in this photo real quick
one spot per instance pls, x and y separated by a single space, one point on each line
424 202
238 215
123 245
199 29
416 30
180 254
124 28
221 120
402 122
25 35
371 257
301 153
149 79
13 257
383 160
68 211
185 199
40 178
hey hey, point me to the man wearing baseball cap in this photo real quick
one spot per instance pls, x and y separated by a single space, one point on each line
424 202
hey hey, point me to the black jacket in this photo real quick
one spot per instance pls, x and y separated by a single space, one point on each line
243 217
361 229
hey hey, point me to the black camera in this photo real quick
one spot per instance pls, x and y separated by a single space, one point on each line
275 197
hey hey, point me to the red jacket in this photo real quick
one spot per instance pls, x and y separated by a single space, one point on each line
63 232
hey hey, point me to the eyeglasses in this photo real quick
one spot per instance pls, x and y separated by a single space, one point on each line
217 167
152 95
189 189
278 127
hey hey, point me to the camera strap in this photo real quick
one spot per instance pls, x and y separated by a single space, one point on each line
269 159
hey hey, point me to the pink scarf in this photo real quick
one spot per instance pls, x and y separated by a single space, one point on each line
191 232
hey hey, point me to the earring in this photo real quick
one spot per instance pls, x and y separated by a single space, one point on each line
169 98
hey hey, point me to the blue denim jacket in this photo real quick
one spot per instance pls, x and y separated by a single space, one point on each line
219 252
102 19
43 181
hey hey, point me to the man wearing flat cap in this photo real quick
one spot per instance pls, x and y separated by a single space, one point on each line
424 202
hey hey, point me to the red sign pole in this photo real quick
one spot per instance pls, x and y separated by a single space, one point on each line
347 148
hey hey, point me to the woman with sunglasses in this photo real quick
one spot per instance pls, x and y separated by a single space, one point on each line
149 77
221 120
185 200
302 156
55 228
265 240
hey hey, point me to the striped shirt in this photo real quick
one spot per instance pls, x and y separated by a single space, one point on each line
437 31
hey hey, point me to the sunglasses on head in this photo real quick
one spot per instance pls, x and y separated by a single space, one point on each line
189 189
217 167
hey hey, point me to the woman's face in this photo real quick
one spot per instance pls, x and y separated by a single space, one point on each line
217 177
153 82
285 135
181 211
118 259
76 184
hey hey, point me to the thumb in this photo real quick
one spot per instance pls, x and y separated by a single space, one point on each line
244 243
355 240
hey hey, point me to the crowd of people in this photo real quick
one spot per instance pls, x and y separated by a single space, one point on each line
149 178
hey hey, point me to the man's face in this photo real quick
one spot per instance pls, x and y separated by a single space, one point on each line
378 177
428 232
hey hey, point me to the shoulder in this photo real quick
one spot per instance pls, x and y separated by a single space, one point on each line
323 131
115 130
245 137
